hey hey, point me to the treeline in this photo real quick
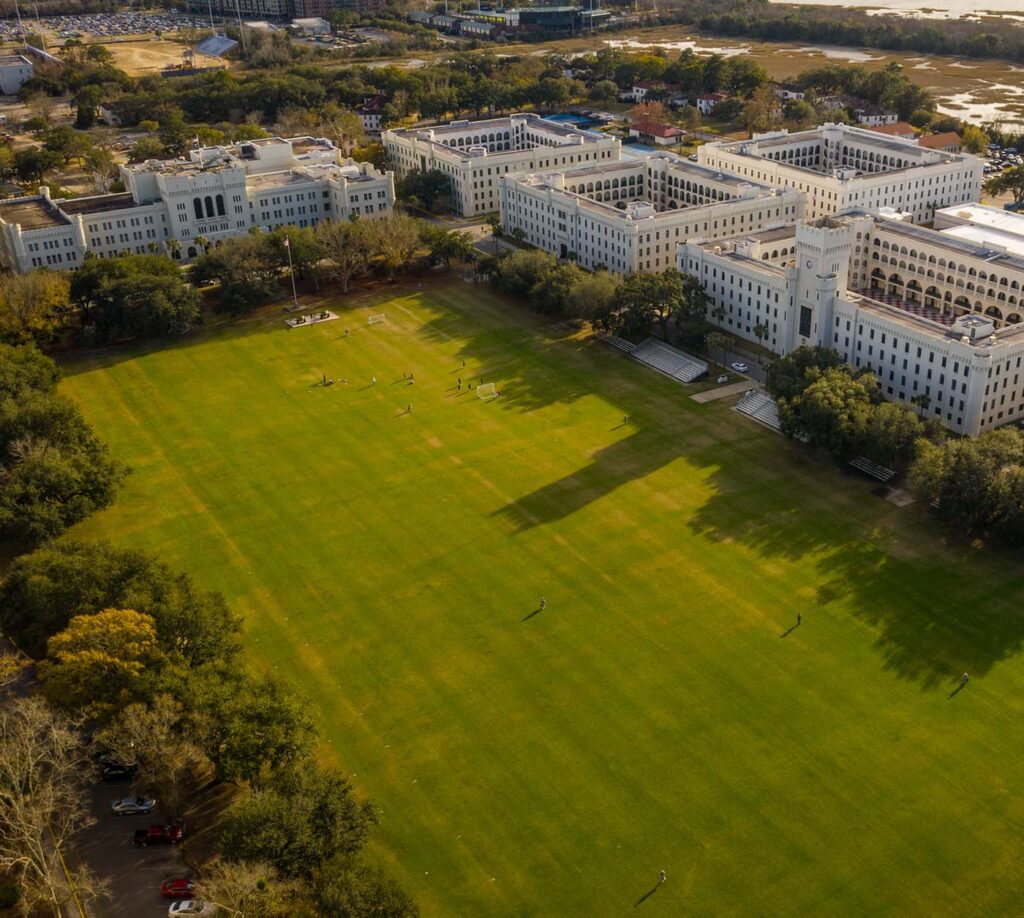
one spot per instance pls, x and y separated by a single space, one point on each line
54 471
135 656
832 406
834 25
152 665
249 268
108 300
672 302
976 483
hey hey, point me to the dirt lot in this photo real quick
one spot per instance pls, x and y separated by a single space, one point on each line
137 58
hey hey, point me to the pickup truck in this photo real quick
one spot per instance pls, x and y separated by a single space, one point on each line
169 834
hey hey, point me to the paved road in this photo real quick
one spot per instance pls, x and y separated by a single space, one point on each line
756 370
134 874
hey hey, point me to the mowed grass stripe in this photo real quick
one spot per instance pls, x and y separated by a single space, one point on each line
653 715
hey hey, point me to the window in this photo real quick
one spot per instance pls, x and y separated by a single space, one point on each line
805 321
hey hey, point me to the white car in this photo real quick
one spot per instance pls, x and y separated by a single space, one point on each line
133 806
740 367
191 907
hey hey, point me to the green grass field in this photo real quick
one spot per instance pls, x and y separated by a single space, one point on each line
661 712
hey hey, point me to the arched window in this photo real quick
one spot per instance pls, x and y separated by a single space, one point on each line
220 206
209 206
198 205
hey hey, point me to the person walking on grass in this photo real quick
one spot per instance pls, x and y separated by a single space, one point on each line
799 618
964 679
543 603
662 877
373 380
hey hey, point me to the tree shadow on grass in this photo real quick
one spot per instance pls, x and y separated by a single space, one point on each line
615 465
534 362
938 609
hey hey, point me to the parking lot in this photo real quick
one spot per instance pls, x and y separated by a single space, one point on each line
103 25
134 874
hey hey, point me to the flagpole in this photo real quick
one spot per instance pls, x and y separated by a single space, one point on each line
291 271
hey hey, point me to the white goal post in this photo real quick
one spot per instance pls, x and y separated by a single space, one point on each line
486 390
375 320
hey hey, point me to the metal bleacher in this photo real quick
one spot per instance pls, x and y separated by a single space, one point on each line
873 469
621 343
761 407
669 360
216 45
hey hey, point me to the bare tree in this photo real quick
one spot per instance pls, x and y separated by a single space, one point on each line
152 737
247 889
41 104
346 248
43 773
11 668
395 239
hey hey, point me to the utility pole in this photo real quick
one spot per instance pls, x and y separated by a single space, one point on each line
241 30
21 28
291 271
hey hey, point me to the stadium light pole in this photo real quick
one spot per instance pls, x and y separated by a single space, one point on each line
21 26
291 271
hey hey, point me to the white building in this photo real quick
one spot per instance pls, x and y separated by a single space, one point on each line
15 69
839 167
873 116
707 102
476 154
312 25
217 193
629 216
929 313
371 115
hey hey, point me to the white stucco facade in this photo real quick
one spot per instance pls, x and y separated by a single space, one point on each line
839 167
629 216
217 193
938 327
476 154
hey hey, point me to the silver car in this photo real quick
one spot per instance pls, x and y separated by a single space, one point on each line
133 806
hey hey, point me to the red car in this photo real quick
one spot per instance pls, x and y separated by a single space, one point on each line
177 888
158 835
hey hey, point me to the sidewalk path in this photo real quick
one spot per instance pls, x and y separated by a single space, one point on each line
736 388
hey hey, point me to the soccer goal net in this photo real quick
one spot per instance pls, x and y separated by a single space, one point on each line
486 390
375 320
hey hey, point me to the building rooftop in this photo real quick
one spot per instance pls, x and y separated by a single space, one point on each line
938 141
31 213
675 163
656 129
278 179
916 155
1005 221
13 60
438 133
897 129
97 204
985 247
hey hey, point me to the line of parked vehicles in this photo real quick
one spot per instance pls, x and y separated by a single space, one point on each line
181 890
1000 158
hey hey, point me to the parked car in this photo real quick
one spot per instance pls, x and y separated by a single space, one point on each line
117 771
191 907
169 834
177 888
133 806
739 367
